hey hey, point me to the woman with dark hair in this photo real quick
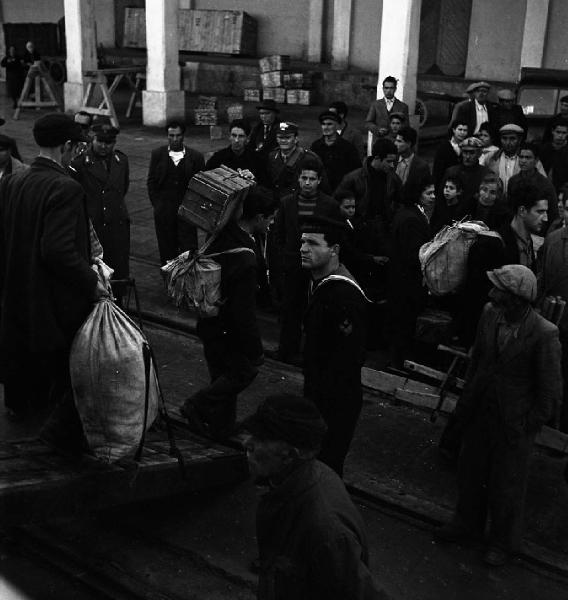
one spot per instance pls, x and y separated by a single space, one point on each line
448 152
486 135
15 74
406 294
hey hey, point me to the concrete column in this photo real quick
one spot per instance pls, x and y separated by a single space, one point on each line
534 36
398 54
342 10
315 31
81 49
162 99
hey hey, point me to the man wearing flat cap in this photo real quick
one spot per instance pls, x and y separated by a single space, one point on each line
469 172
335 324
46 284
479 110
338 156
9 164
311 538
104 174
513 387
505 161
262 139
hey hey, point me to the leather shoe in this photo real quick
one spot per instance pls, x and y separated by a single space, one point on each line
495 557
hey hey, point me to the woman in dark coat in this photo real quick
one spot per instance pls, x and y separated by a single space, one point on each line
406 294
15 74
448 153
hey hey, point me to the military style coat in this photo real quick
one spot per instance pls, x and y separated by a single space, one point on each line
106 183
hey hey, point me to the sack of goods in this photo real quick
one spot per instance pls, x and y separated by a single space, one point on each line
444 259
212 196
115 386
195 279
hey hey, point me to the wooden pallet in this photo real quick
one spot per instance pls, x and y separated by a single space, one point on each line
36 483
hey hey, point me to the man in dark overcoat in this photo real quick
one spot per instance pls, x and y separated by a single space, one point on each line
512 387
335 325
311 538
171 168
47 286
104 174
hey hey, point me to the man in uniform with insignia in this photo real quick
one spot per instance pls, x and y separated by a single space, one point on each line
104 174
334 328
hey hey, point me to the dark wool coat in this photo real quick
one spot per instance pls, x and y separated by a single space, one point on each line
311 540
338 159
46 283
106 189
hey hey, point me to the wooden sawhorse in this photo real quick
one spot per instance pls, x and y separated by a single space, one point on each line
98 79
38 79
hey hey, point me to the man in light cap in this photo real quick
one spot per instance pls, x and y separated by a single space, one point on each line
311 538
505 161
469 171
47 286
104 174
479 110
510 112
512 388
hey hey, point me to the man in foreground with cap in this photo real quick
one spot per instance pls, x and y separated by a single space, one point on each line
263 135
104 174
479 110
311 538
338 156
512 388
47 286
505 161
335 324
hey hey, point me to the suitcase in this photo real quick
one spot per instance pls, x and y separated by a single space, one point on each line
212 196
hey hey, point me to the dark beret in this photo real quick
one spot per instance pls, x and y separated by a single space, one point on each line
321 224
288 418
105 132
327 114
55 129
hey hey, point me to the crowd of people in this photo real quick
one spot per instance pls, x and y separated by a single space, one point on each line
327 239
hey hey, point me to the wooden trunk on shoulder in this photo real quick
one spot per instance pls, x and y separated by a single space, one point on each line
212 196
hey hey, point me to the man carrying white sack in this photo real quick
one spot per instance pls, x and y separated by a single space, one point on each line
47 286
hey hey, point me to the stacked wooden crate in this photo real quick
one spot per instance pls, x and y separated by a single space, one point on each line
272 70
216 31
206 111
298 88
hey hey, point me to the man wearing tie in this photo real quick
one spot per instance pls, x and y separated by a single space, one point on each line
377 121
263 135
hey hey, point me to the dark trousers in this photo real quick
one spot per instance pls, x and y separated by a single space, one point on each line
492 480
230 373
174 235
340 416
294 302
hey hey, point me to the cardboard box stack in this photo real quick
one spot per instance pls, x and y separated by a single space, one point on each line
298 88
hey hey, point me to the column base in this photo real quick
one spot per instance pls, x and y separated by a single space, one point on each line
159 107
73 96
